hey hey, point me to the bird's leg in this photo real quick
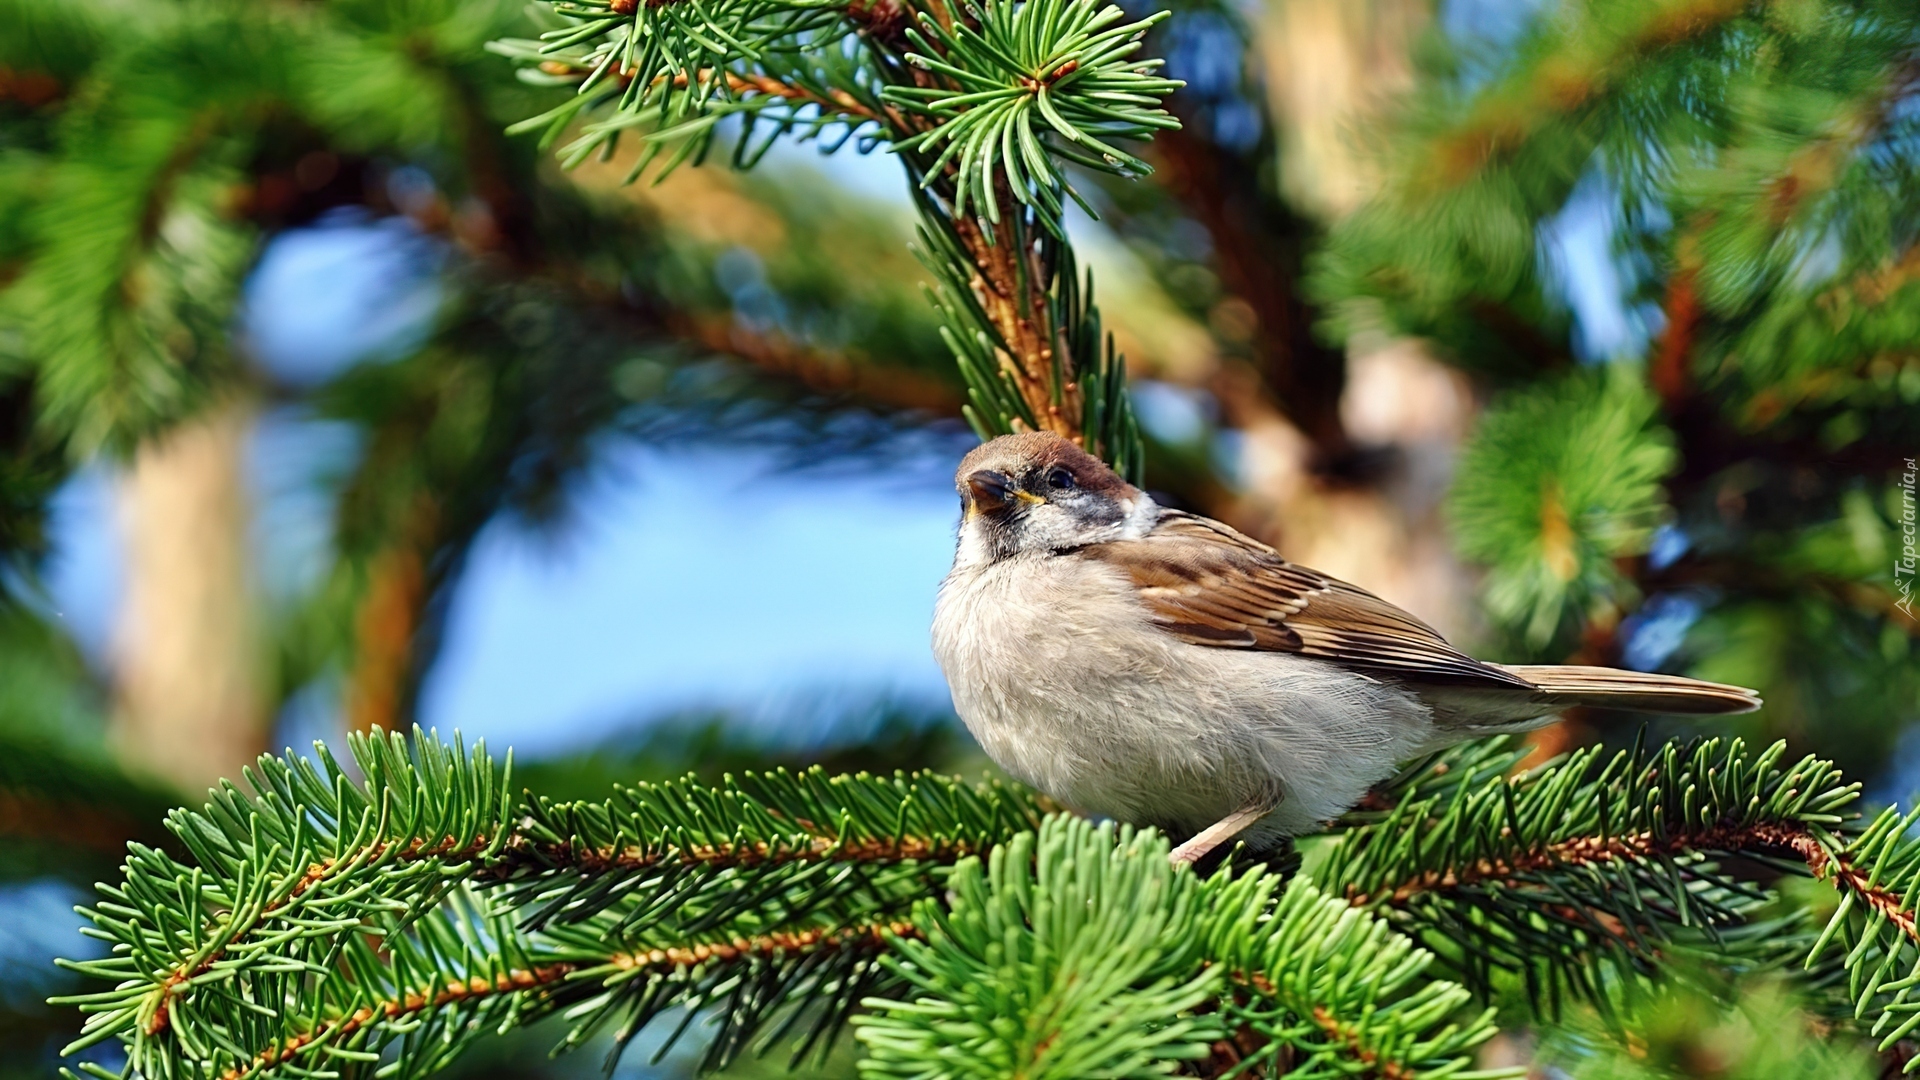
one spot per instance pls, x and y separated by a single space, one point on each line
1218 833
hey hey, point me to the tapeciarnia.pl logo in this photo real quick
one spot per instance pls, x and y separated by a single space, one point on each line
1903 567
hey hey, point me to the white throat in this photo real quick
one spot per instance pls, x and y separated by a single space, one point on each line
976 548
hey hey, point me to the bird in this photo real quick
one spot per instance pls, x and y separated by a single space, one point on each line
1160 668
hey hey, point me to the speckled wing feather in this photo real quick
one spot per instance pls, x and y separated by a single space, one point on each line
1208 585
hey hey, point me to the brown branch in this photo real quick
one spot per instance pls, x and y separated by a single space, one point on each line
1784 839
1579 851
835 101
476 987
819 371
30 88
1815 167
1350 1038
1259 247
1010 285
871 937
874 936
1228 1055
315 874
387 618
103 830
522 854
1671 371
1559 84
1777 839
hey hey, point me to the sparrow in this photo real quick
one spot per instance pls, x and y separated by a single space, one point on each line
1159 668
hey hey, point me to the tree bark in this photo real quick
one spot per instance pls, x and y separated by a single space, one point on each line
190 702
385 668
1399 415
1333 66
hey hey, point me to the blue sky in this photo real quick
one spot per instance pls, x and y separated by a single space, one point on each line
698 577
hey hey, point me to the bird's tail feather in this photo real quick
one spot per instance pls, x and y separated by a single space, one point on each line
1566 685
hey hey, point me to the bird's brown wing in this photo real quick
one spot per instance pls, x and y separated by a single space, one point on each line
1208 585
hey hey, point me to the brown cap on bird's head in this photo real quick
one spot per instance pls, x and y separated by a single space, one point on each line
1025 466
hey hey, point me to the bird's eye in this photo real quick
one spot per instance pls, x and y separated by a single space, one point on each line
1060 480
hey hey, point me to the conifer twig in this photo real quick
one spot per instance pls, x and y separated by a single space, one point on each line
823 372
1760 838
833 101
547 978
522 854
1592 56
1670 371
1009 282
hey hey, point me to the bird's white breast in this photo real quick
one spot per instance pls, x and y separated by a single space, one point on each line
1058 673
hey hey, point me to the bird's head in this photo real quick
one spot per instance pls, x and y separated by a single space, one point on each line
1038 492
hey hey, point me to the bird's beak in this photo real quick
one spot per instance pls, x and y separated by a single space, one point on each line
989 491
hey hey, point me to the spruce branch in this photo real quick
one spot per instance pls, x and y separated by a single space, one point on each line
1556 485
1071 952
1029 342
1759 1031
1792 167
833 101
1018 79
984 106
1334 991
759 989
1801 163
1837 345
501 978
1578 59
1590 872
412 989
127 300
280 886
421 900
767 819
1079 951
767 851
806 97
324 921
1874 930
671 72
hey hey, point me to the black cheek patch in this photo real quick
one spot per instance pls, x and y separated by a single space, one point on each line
1098 511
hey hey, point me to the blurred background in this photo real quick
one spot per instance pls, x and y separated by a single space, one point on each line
324 405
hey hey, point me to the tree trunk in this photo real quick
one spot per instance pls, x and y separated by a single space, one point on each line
1332 67
190 704
1386 534
386 666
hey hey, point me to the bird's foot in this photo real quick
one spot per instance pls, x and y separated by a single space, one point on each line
1216 834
